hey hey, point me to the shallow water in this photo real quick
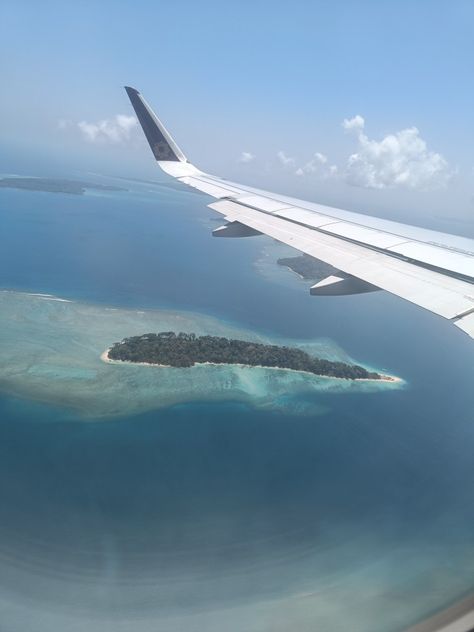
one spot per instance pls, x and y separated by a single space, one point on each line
51 351
217 515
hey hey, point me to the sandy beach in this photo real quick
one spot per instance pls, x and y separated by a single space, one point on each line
105 358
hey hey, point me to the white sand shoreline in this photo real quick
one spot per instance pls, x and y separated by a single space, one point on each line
392 379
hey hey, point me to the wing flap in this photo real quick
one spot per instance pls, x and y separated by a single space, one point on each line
263 203
438 293
466 324
436 256
361 234
431 254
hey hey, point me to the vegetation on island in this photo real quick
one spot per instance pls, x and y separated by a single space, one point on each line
184 350
55 185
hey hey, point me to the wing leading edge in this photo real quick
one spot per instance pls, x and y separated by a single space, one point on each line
430 269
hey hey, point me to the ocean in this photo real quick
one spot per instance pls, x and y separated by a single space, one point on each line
216 513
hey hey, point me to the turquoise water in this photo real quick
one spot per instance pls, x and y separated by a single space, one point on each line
219 515
53 350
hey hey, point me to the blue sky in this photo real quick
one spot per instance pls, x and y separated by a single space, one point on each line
273 79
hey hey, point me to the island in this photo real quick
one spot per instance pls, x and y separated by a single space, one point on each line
55 185
307 267
187 349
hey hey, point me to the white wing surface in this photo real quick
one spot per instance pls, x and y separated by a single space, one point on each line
430 269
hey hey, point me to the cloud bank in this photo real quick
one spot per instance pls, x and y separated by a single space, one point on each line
401 159
115 130
398 159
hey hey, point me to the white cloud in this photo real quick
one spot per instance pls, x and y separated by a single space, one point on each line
126 123
285 160
317 165
115 130
356 123
321 158
246 157
398 159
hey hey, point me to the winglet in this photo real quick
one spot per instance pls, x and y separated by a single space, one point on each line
162 145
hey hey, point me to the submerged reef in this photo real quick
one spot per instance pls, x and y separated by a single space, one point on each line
51 352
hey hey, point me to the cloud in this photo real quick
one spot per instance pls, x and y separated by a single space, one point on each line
321 158
285 160
357 123
115 130
246 157
400 159
318 165
313 165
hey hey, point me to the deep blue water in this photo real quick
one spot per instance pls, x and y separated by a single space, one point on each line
247 504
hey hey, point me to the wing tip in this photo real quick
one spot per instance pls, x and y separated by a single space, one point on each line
129 90
162 145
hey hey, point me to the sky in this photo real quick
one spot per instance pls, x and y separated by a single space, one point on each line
365 105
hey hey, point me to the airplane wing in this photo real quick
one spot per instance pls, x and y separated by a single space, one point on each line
430 269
